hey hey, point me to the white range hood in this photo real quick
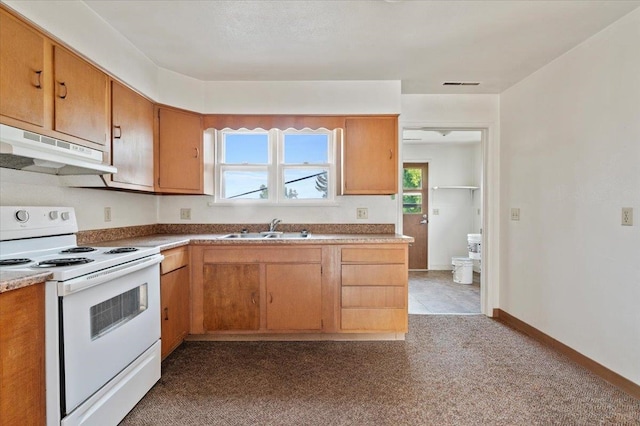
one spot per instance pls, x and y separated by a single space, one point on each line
23 150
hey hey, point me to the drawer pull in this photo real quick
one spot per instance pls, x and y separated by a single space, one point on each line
39 82
253 298
61 84
166 314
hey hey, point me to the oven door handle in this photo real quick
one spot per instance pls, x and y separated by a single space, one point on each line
99 277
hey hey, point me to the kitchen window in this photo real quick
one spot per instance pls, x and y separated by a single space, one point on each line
275 166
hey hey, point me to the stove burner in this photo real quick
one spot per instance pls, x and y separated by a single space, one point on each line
78 250
121 250
13 262
69 261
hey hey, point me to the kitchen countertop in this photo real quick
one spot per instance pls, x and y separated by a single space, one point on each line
11 280
168 241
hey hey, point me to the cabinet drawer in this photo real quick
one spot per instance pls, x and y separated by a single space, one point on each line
375 320
174 259
375 255
374 297
263 255
386 275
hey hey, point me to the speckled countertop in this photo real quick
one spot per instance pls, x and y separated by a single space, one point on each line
167 241
11 280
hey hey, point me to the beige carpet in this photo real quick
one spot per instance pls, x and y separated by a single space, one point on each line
451 370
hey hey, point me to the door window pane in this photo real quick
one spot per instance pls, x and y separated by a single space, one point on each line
412 178
244 185
246 148
306 148
305 184
412 203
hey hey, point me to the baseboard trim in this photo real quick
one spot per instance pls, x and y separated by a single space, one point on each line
612 377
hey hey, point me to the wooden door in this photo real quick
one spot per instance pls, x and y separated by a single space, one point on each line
180 162
231 297
22 356
131 139
80 98
174 297
370 160
415 196
21 71
294 297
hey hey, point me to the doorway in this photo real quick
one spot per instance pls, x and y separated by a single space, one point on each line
442 203
415 205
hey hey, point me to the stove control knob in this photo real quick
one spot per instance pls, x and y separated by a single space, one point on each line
22 216
53 214
65 215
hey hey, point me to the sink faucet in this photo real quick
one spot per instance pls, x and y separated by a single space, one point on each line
274 224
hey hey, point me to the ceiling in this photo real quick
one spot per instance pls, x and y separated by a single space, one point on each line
421 43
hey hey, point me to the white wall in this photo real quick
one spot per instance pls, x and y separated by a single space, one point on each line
36 189
449 165
570 160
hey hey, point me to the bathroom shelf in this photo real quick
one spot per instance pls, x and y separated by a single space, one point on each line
472 188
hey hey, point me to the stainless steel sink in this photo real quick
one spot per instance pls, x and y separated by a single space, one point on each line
265 235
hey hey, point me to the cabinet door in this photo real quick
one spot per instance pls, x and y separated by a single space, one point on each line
180 162
294 297
80 98
21 68
370 162
22 386
174 299
131 139
231 294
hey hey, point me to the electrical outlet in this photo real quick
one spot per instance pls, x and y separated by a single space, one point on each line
478 212
436 212
362 213
107 214
627 216
515 213
185 214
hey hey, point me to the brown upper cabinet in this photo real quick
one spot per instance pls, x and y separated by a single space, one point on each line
180 157
81 107
131 139
21 71
49 90
369 155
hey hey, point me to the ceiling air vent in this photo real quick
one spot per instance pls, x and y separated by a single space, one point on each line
461 83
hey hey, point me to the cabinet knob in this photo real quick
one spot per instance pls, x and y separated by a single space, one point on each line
253 298
166 314
197 152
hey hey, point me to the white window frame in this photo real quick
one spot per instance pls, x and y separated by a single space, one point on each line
275 167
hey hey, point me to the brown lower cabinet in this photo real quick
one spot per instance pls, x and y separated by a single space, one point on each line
267 289
174 298
22 375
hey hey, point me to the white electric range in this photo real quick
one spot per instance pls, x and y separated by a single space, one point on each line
102 314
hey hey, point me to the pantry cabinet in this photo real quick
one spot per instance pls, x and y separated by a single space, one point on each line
22 94
180 156
374 289
249 289
174 298
131 139
22 364
80 101
369 156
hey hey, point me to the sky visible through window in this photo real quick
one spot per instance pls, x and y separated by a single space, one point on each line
299 149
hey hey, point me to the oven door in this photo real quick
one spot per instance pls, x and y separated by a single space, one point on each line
105 327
